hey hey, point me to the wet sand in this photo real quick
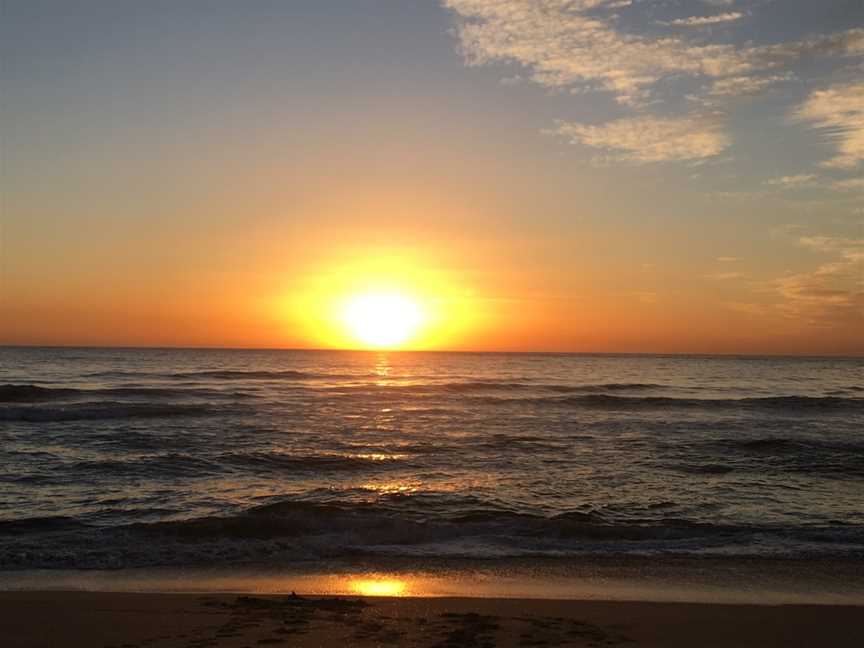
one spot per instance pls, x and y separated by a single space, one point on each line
129 620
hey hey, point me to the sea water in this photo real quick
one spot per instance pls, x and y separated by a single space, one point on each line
114 458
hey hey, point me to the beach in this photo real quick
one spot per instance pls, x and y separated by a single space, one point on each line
92 620
670 602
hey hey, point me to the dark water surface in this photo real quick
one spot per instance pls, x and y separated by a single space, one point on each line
124 458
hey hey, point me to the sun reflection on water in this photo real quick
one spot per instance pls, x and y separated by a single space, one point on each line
379 586
392 488
378 456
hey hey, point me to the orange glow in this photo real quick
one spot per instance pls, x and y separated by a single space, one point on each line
383 301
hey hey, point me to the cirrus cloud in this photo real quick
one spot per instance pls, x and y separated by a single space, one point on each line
567 42
586 46
832 294
702 21
563 43
838 112
652 139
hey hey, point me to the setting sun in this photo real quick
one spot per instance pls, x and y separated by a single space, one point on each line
382 319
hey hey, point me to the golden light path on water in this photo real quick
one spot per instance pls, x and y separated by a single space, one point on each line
380 586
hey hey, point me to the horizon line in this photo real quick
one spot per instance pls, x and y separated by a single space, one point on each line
462 351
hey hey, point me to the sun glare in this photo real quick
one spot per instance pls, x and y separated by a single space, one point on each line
380 301
382 320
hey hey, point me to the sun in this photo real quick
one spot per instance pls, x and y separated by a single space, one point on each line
383 319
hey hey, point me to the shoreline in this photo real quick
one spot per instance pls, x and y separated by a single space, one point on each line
667 579
37 619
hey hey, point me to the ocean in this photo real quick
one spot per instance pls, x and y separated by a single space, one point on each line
120 458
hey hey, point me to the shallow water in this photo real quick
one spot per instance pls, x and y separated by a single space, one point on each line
122 458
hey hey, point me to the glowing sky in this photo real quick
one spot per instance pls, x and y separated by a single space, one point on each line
582 175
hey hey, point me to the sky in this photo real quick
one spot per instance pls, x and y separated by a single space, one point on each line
661 176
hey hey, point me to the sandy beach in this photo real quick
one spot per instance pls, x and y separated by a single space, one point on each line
127 620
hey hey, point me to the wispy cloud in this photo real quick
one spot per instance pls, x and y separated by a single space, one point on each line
792 181
702 21
831 244
582 45
833 294
563 43
850 184
652 139
839 112
727 259
738 86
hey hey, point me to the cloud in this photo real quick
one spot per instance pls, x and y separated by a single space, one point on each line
585 46
701 21
567 42
562 43
831 243
833 294
727 259
745 85
792 181
802 180
844 43
652 139
838 112
852 184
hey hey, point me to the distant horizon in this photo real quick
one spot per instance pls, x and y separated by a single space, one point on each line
454 351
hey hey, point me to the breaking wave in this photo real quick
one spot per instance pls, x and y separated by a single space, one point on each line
289 531
782 403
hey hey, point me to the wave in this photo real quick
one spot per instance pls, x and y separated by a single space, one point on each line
497 385
221 374
283 462
160 466
782 403
39 524
288 531
24 393
484 386
800 447
827 458
226 374
372 523
163 465
91 411
36 393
